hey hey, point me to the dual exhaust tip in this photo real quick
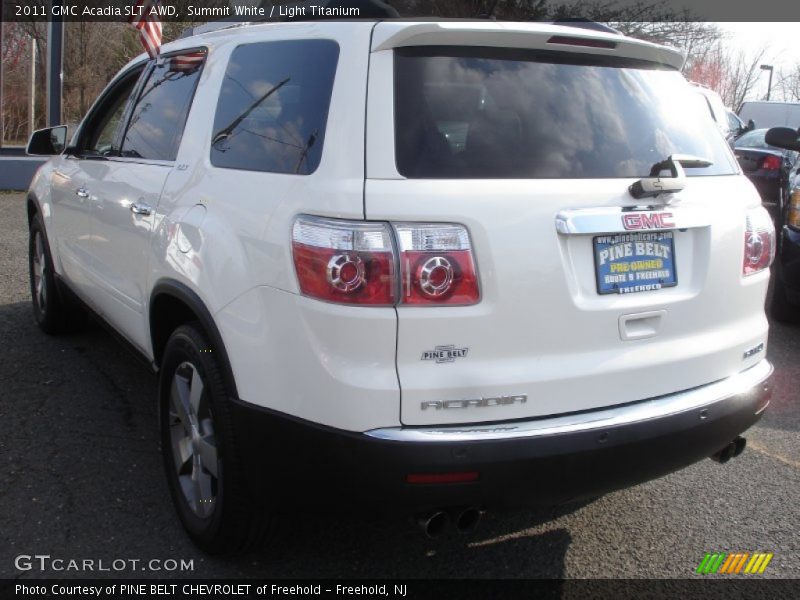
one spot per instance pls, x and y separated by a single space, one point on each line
436 523
732 450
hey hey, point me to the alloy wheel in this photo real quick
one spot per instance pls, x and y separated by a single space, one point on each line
39 272
194 447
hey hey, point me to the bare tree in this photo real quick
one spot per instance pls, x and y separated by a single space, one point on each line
788 85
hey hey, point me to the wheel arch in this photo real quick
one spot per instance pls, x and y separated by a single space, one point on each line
32 207
173 304
39 204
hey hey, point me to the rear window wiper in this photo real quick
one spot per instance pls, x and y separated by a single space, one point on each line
226 131
655 185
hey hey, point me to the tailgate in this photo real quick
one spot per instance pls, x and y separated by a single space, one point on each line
543 331
588 297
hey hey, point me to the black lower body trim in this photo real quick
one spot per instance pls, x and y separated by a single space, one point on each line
297 464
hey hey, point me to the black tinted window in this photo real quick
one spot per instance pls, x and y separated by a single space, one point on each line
479 113
273 106
156 125
102 128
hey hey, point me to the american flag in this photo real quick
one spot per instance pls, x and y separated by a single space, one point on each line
149 25
186 63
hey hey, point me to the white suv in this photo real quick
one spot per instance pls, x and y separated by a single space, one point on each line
437 267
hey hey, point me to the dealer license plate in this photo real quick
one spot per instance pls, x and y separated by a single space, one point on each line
634 262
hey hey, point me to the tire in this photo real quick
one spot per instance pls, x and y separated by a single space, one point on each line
198 444
49 308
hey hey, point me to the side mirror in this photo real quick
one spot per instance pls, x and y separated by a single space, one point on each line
47 142
751 125
783 137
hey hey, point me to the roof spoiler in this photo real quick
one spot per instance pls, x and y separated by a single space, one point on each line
586 24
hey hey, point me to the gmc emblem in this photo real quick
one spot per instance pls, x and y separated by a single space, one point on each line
656 220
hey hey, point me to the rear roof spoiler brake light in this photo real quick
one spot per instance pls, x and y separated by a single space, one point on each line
579 41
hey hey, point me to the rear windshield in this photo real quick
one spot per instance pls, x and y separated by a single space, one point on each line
478 113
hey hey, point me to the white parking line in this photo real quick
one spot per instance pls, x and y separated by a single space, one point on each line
759 448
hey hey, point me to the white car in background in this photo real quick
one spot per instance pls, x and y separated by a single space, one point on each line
432 267
727 121
767 114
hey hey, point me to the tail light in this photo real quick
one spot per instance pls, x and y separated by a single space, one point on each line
344 261
436 265
759 241
793 213
355 262
772 163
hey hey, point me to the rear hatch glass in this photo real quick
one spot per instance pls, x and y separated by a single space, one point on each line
519 114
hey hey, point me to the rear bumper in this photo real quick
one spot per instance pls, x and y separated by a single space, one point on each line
295 463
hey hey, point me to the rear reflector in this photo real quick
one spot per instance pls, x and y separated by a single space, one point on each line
759 241
577 41
427 478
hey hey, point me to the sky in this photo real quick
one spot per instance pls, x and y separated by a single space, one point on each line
781 39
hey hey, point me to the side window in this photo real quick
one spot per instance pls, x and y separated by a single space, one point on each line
273 106
159 116
102 125
733 123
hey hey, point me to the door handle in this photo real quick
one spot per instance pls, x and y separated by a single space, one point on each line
82 193
141 208
641 326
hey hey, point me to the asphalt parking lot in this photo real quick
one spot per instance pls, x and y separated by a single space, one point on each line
80 477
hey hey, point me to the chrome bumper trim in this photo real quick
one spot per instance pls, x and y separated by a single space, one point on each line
639 412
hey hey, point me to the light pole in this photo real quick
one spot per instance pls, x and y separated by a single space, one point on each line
769 85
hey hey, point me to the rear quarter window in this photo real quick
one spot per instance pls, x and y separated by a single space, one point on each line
273 106
495 113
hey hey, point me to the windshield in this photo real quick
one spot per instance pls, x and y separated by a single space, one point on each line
500 113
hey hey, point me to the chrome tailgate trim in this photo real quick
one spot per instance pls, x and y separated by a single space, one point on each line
645 410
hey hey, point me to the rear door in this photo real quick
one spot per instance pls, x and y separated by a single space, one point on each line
589 298
127 186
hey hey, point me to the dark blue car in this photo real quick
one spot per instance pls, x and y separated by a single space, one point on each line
768 167
786 293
